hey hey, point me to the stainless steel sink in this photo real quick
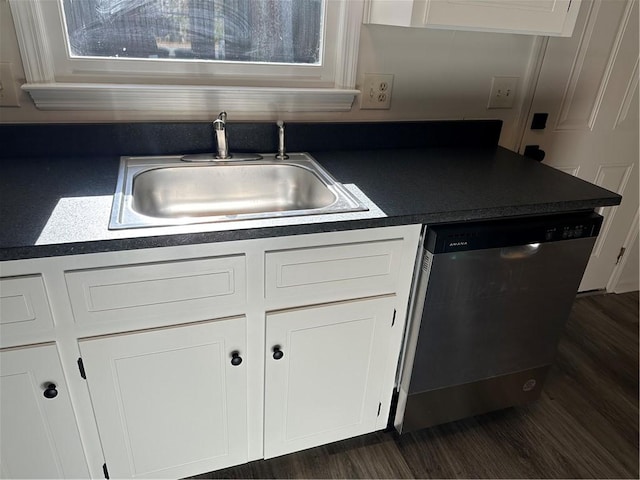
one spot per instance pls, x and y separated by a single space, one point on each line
160 191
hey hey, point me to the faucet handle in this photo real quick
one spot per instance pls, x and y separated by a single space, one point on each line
219 123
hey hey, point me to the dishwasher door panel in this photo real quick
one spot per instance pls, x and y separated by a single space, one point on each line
495 312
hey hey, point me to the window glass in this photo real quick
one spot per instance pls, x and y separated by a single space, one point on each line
258 31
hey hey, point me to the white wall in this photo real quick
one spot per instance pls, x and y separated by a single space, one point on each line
443 74
438 74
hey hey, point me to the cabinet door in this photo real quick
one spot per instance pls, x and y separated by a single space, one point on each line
38 436
324 382
543 17
533 17
170 402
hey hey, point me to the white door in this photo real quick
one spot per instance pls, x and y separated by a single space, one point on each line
38 432
324 373
170 402
589 87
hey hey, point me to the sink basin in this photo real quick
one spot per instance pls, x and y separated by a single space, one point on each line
159 191
176 192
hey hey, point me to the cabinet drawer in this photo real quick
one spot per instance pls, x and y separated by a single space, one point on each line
185 290
333 272
24 306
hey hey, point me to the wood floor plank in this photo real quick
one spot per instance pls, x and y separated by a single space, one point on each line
370 456
487 446
585 425
583 455
578 408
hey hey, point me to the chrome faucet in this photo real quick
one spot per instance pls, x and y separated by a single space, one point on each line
219 127
222 145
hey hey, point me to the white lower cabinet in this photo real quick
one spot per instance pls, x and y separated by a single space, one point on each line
170 402
324 372
200 357
38 432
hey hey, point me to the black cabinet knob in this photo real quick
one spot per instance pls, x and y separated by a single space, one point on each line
236 359
277 353
50 391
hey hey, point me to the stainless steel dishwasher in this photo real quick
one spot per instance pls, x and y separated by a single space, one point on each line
489 304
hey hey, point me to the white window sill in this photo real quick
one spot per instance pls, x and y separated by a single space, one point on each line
196 99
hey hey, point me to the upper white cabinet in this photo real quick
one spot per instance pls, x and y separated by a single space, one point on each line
532 17
38 435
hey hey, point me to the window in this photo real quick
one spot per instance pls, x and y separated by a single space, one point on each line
239 55
264 31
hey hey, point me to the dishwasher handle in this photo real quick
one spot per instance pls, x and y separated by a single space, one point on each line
519 251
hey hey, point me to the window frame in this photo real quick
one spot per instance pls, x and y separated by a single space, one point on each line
52 91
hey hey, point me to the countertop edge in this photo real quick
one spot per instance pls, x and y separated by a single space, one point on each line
101 246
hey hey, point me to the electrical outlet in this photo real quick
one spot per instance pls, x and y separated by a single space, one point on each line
8 92
376 91
503 92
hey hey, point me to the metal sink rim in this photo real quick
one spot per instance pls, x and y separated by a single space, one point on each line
124 216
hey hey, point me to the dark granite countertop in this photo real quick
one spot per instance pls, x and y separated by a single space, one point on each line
51 207
410 186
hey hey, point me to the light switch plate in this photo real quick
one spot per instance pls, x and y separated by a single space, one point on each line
503 92
8 90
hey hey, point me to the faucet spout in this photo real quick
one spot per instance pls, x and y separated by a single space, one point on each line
220 130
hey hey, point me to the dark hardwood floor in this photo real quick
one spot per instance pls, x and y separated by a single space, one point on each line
585 425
